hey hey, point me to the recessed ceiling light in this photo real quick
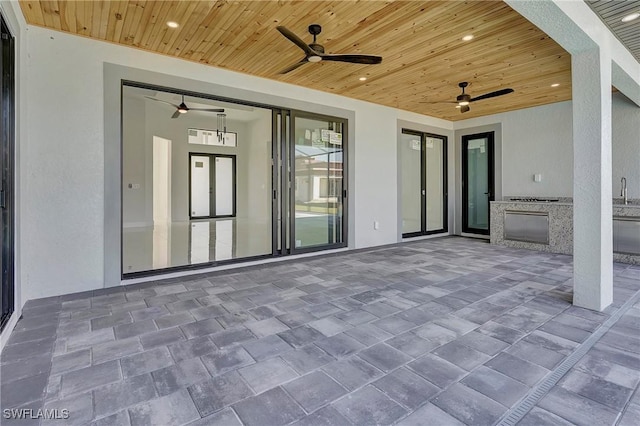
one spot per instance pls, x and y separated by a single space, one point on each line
363 79
631 17
172 24
468 37
555 85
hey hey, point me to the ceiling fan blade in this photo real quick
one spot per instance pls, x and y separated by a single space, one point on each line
160 100
492 95
354 59
438 102
297 41
464 108
207 109
294 66
176 114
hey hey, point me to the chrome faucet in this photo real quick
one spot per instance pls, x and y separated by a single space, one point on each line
623 191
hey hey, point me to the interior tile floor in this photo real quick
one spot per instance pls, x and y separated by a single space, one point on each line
446 331
169 244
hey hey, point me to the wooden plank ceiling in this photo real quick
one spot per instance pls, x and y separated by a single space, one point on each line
424 57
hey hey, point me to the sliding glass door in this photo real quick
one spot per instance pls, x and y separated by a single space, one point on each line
7 172
423 168
226 181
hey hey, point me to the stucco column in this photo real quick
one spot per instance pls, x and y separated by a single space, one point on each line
592 196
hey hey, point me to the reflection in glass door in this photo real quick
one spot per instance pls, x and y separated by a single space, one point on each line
477 182
412 177
317 185
423 167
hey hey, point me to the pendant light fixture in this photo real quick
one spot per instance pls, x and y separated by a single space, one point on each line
222 124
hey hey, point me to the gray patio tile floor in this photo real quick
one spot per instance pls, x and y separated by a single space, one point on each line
447 331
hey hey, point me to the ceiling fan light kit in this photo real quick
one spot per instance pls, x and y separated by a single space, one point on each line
314 52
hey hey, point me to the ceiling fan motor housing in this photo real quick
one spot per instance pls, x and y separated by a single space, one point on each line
317 47
463 97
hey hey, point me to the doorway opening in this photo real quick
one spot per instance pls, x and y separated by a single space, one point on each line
161 201
423 165
7 170
212 185
478 182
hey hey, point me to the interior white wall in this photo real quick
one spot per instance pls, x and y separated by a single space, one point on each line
134 163
539 141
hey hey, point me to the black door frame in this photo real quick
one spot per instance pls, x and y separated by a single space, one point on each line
7 166
490 136
212 185
423 174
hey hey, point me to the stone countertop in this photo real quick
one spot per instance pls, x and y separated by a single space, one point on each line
626 210
566 201
543 203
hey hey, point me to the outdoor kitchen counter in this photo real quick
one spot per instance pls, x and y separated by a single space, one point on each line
559 216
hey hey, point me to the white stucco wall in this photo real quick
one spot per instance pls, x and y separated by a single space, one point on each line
17 25
539 141
64 188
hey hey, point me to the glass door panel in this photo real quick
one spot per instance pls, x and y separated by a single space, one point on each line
423 169
187 183
224 186
200 186
411 171
477 174
435 183
317 164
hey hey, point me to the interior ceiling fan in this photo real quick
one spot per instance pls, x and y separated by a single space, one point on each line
183 108
464 99
314 52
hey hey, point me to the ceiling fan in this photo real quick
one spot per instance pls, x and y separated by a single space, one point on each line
183 108
314 52
464 99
